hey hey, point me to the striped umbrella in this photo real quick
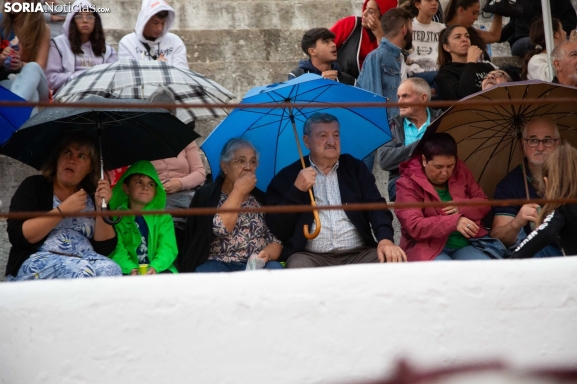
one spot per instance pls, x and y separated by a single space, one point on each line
131 79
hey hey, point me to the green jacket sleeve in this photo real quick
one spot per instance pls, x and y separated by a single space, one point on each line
166 250
122 257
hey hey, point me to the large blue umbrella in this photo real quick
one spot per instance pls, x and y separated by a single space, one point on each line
277 132
270 130
11 118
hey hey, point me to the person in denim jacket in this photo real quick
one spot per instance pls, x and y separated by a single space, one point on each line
382 68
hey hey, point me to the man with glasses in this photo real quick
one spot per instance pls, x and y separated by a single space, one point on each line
512 224
495 77
345 237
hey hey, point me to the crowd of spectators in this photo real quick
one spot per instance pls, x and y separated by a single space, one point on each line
408 54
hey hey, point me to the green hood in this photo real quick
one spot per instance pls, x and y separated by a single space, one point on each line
120 199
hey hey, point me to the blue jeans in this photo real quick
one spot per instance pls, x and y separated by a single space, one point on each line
218 266
30 84
466 253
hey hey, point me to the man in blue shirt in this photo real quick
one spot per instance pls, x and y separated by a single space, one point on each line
407 128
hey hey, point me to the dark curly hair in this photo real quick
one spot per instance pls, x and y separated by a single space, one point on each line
97 39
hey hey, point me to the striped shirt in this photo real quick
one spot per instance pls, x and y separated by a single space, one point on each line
337 232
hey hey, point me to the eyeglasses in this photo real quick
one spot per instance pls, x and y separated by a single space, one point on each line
533 143
495 75
241 162
84 17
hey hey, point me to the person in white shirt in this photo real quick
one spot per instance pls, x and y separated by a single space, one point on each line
536 66
422 61
151 39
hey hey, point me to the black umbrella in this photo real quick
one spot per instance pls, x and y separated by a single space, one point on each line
124 135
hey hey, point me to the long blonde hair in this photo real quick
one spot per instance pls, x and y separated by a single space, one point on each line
31 32
560 169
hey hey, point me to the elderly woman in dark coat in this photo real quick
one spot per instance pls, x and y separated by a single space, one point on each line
225 241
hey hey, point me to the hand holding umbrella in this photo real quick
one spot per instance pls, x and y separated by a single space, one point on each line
270 128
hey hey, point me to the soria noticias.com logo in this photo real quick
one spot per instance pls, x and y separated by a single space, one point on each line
52 8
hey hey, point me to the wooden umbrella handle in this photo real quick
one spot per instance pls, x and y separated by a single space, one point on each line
308 235
313 235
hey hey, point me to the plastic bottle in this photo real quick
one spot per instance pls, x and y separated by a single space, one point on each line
14 46
489 51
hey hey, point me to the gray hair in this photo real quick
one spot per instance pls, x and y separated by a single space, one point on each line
559 52
544 120
232 146
318 117
421 86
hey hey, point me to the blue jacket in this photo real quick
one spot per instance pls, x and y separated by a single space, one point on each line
356 185
381 73
305 66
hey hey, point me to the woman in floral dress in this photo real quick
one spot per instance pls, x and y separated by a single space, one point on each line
224 242
53 247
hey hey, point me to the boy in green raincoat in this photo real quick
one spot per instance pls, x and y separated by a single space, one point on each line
147 239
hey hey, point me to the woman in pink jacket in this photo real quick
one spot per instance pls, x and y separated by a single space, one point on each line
436 233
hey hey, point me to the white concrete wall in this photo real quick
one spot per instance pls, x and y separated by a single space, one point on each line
330 325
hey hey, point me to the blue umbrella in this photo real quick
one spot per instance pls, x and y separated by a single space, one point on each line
277 132
11 118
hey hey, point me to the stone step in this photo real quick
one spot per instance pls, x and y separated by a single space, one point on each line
240 61
238 14
228 45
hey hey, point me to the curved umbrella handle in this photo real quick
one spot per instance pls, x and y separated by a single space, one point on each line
107 219
317 219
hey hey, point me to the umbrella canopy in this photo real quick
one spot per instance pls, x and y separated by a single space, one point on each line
126 135
11 118
271 129
488 136
131 79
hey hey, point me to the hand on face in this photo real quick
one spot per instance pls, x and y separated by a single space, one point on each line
245 183
474 54
373 23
